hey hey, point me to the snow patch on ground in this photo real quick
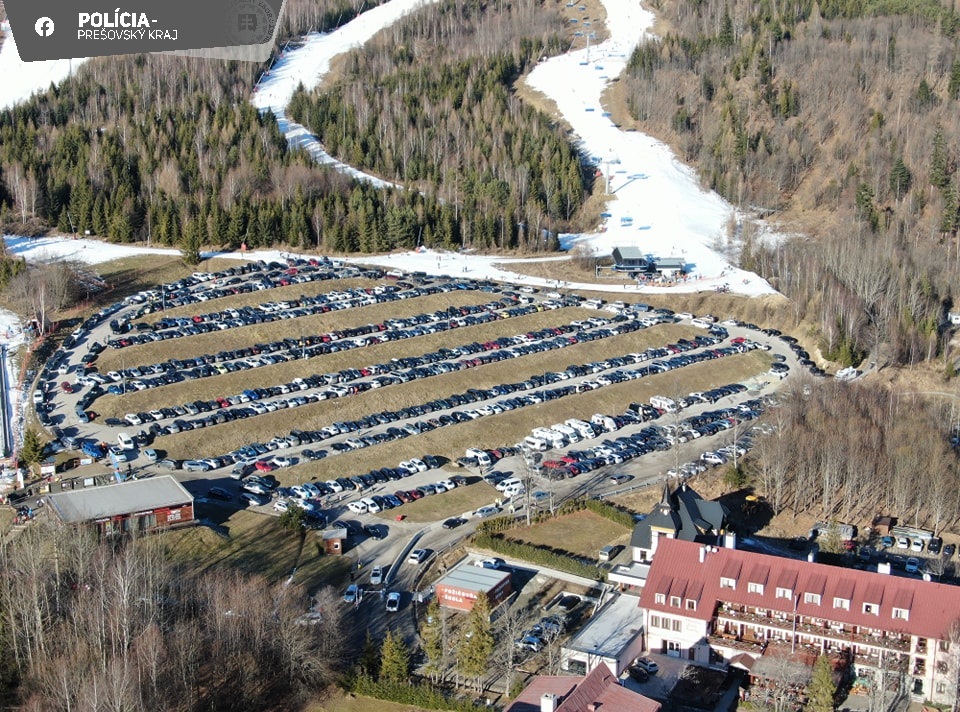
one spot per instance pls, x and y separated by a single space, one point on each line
22 79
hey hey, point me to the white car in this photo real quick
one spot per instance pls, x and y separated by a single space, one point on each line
393 602
376 576
418 556
334 485
312 489
281 461
448 484
281 505
419 464
357 507
485 512
125 441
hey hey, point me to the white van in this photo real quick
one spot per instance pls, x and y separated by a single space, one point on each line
358 507
125 441
509 483
535 444
372 506
663 403
37 397
701 323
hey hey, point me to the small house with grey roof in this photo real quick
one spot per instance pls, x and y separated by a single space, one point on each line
681 514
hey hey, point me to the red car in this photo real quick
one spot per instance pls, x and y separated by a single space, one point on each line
264 466
66 387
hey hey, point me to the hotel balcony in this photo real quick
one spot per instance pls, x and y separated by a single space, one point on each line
728 614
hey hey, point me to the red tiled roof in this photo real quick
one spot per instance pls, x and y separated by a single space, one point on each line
529 699
933 607
600 687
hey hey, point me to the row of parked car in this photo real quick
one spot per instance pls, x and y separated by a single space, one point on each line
613 451
246 404
523 399
338 300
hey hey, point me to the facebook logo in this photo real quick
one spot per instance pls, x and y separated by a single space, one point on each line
44 27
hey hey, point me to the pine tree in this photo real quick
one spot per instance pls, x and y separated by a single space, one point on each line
431 638
900 178
821 689
953 87
477 646
394 659
939 164
726 38
370 658
32 450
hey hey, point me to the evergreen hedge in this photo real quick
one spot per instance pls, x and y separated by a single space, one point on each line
422 694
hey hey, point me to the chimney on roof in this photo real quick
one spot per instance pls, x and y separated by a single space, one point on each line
730 540
883 567
549 702
703 553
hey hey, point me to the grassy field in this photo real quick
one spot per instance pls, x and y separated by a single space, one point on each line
582 533
257 545
508 428
448 504
231 383
273 331
231 435
339 701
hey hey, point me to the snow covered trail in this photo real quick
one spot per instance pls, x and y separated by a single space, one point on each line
310 63
22 79
656 202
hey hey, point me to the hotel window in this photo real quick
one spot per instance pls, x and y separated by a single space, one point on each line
691 604
841 603
755 588
901 613
784 593
675 601
813 598
660 598
727 583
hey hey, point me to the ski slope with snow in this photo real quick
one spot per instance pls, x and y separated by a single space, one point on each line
23 79
309 63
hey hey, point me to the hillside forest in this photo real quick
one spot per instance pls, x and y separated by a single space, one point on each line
838 118
428 103
169 150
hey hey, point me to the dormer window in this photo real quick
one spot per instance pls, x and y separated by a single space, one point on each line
843 603
728 583
784 593
813 598
691 604
871 609
660 598
675 601
901 613
755 588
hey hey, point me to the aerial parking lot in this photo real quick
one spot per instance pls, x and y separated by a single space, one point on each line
218 369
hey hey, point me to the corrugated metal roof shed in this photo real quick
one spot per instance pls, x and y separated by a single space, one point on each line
473 578
122 498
